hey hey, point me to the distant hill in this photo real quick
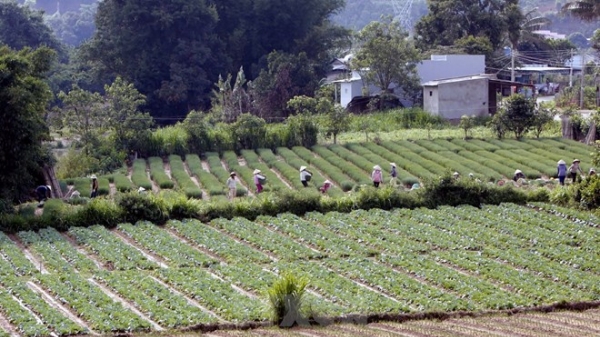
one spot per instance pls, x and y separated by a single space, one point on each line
51 6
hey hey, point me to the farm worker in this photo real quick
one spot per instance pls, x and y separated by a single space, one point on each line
415 186
561 169
592 172
472 177
456 175
326 186
305 176
232 185
75 195
393 174
94 186
258 180
43 192
141 190
376 175
574 168
518 175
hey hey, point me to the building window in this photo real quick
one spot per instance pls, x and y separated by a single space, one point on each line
430 93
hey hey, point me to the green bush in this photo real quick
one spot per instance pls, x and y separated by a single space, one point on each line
157 173
137 207
139 176
99 212
286 297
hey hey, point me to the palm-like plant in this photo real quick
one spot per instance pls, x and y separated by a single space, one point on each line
588 10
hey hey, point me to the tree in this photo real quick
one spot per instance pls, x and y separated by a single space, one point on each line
587 10
517 114
337 119
466 123
168 50
82 114
22 27
450 20
545 113
387 56
24 96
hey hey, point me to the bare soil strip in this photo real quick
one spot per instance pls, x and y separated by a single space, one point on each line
239 179
126 304
167 168
112 190
205 195
8 327
189 300
489 331
194 246
37 263
579 329
242 161
205 165
53 303
155 188
159 261
395 330
278 174
84 252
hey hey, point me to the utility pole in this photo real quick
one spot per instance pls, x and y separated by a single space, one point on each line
571 71
582 79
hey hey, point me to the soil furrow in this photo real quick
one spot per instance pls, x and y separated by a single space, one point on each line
125 303
65 311
8 327
396 330
205 195
278 174
37 263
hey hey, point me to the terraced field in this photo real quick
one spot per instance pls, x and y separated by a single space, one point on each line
349 165
148 278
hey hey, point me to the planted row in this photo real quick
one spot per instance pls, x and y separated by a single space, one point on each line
157 173
179 173
139 176
338 176
208 181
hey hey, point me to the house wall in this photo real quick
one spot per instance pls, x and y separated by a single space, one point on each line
349 90
431 100
463 98
448 66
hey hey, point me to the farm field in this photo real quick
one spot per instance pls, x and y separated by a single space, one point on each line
144 277
347 165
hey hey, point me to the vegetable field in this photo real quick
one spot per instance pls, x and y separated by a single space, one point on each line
350 165
144 277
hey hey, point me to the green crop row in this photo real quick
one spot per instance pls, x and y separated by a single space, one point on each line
179 173
289 173
157 173
84 186
345 165
404 176
216 168
337 176
253 162
139 176
410 155
122 183
207 180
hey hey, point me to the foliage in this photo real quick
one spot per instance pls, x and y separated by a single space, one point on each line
587 10
73 27
466 123
386 56
545 115
517 114
302 130
286 298
337 119
24 96
22 27
248 131
136 206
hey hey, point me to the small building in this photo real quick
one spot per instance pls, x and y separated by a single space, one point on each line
475 95
439 66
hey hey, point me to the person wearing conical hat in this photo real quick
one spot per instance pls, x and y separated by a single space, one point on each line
393 174
141 190
592 172
518 175
305 176
376 176
43 192
232 186
94 189
258 179
574 169
326 186
561 172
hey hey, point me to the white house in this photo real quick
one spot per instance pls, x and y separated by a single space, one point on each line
475 95
439 66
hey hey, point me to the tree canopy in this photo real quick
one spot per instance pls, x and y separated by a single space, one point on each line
24 96
22 27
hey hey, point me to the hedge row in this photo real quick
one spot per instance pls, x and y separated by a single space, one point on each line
253 162
185 183
216 167
485 145
157 173
430 146
501 144
133 207
430 165
345 165
139 176
317 179
122 183
403 176
467 145
448 145
208 181
544 164
333 172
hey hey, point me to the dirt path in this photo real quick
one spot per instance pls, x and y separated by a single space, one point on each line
167 168
53 303
112 190
312 167
278 174
125 304
38 264
239 180
205 165
155 188
6 326
205 195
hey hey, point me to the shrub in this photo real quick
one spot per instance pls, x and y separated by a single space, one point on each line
157 173
286 297
206 179
137 207
139 176
99 212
